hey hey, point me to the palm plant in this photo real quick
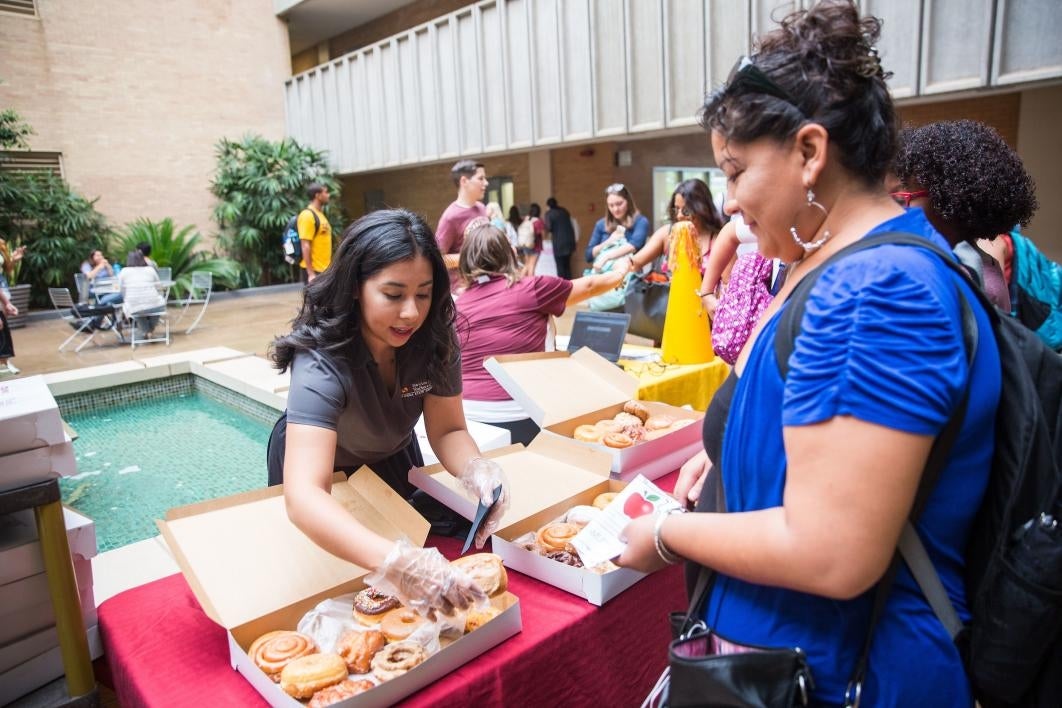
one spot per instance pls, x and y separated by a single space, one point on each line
175 249
260 185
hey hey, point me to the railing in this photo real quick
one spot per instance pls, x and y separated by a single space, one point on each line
515 74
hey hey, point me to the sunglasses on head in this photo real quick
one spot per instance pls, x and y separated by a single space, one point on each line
614 188
904 198
746 77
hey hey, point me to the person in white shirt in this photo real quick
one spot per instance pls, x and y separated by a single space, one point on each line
141 298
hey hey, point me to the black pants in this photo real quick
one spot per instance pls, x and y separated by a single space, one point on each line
520 431
393 470
564 265
7 344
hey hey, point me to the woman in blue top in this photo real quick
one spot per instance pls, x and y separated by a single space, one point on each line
819 471
622 211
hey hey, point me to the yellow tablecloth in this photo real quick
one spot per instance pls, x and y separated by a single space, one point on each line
677 384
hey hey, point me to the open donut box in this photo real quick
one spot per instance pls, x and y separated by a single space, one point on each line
546 479
561 391
253 572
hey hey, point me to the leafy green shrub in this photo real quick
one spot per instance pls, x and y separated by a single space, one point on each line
260 185
58 227
176 250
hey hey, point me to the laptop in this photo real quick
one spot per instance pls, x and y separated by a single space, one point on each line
602 332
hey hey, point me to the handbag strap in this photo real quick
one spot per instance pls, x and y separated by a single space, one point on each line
699 596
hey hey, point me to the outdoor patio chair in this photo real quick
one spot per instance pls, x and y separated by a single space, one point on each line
199 294
165 273
82 284
79 317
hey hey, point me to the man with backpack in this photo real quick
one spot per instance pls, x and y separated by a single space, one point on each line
470 178
314 234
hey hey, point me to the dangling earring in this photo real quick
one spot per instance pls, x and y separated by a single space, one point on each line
814 245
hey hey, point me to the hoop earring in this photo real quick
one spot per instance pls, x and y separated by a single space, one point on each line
813 245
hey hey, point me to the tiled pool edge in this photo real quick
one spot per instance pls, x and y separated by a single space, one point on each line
164 387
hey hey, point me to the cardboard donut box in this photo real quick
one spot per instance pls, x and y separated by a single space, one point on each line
546 479
561 391
253 572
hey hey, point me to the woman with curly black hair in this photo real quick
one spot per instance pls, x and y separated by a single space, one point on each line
372 349
971 185
819 456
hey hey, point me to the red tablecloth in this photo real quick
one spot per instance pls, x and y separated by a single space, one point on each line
161 650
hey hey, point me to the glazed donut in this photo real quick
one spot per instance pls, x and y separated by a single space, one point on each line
655 434
273 651
682 423
587 433
486 570
566 557
477 618
626 419
309 674
608 425
358 649
340 692
604 499
370 606
555 536
659 422
400 623
618 440
581 515
396 659
635 432
637 409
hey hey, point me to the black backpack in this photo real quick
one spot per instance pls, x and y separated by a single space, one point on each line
289 241
1012 646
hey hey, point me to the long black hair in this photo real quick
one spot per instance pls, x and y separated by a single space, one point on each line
330 318
699 206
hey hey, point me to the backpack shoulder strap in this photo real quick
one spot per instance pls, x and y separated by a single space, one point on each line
316 220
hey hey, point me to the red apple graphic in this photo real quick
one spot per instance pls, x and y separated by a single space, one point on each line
637 505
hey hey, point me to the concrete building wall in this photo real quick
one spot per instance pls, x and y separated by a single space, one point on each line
136 94
1040 147
579 174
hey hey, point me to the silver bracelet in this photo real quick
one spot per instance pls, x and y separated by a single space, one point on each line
666 554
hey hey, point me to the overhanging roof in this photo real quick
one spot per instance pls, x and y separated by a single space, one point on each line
313 21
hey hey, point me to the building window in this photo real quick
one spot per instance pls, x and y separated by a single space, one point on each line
500 189
27 8
28 162
665 179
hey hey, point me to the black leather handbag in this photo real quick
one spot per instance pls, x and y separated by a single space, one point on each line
646 303
707 669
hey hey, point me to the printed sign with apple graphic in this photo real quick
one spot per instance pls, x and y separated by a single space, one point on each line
600 539
637 505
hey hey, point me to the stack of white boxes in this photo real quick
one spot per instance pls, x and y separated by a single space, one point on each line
33 447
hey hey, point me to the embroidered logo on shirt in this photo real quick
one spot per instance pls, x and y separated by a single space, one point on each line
416 389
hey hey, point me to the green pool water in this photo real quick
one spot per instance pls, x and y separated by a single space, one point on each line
137 460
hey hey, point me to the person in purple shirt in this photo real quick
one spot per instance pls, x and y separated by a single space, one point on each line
470 178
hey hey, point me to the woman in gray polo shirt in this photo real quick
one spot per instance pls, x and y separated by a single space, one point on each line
372 348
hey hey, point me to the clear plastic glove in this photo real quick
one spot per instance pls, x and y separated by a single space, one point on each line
422 579
480 478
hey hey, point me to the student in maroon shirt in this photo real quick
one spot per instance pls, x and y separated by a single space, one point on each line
470 178
505 312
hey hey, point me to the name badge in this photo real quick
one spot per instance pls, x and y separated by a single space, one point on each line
416 389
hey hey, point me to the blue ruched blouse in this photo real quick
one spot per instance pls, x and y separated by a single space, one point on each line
881 340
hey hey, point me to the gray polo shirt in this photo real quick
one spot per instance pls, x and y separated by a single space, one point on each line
371 423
